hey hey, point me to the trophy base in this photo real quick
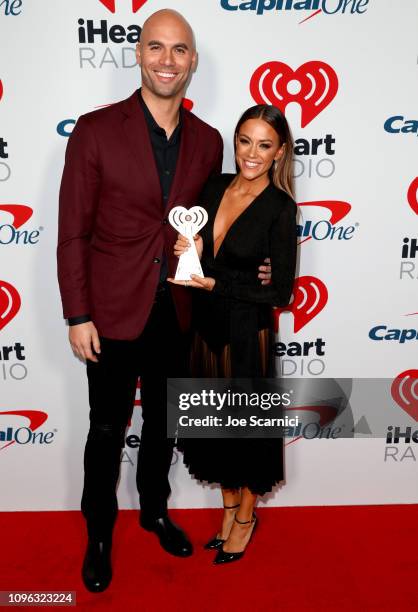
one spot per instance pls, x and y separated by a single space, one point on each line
184 273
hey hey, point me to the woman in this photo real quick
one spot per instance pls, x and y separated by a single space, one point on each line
251 215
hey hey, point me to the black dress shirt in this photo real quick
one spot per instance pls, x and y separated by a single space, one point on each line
166 153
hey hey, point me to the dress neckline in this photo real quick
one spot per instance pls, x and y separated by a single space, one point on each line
237 218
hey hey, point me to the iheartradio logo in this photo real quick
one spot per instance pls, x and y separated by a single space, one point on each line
20 213
313 86
310 296
111 5
10 303
404 391
413 195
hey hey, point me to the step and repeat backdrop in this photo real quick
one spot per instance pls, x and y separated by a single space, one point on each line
345 73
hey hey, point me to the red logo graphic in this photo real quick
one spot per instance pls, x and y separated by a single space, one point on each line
1 89
9 303
310 16
20 213
313 85
310 296
36 419
413 195
338 211
137 401
188 104
404 391
111 5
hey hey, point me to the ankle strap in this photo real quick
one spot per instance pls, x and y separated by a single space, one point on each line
245 522
231 507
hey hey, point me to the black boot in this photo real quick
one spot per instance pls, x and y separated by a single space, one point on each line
97 570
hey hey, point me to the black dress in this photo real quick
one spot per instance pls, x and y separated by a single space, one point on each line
233 326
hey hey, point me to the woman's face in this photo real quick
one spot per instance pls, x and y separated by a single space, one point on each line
257 148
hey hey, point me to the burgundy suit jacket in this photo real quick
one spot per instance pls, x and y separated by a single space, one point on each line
113 227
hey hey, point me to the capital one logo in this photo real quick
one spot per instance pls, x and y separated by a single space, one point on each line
10 232
404 391
312 429
26 434
313 86
10 303
326 229
111 4
413 195
310 296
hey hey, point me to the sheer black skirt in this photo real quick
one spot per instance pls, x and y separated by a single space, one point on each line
233 339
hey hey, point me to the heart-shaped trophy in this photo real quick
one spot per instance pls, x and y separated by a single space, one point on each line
188 223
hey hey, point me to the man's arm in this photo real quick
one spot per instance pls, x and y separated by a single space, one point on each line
77 207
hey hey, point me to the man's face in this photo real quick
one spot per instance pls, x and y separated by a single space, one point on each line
166 55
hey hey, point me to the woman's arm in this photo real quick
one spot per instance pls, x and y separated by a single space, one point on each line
283 241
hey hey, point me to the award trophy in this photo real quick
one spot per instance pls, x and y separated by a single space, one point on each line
188 223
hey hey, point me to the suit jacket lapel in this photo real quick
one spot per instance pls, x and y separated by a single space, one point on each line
186 153
136 133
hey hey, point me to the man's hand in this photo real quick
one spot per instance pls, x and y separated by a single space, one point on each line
264 272
83 338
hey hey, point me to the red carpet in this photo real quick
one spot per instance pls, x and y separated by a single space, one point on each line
327 558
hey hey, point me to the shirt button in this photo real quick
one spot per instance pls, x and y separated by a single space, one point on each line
167 172
156 260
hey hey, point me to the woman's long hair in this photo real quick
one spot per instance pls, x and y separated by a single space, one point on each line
281 172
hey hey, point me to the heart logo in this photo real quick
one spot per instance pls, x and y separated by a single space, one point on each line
413 195
313 86
9 303
310 296
404 391
188 221
19 212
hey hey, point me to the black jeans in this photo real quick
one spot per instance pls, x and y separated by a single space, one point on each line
161 351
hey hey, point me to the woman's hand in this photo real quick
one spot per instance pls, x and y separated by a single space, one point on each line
198 282
183 244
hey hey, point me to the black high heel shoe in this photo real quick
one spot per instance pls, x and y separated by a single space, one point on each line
216 542
228 557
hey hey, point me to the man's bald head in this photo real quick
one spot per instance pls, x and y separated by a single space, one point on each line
167 18
166 54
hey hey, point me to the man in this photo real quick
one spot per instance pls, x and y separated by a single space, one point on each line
126 166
